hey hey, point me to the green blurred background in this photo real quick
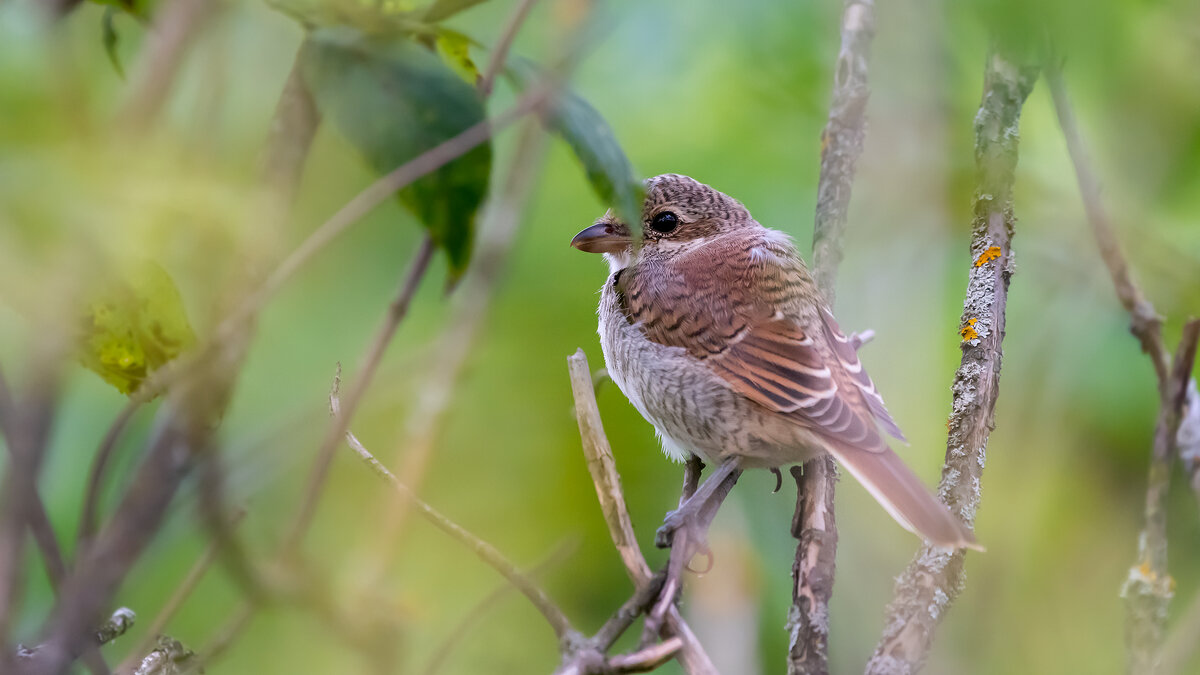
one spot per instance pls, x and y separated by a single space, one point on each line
734 94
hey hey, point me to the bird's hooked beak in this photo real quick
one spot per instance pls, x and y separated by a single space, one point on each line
604 237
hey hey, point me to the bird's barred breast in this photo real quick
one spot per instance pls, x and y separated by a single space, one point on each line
693 409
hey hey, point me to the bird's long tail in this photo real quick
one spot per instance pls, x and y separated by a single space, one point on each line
904 496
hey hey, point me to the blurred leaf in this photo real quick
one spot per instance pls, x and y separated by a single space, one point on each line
442 9
455 50
581 126
140 9
378 18
393 100
110 39
133 326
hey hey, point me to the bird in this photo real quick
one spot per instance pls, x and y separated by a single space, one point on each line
715 330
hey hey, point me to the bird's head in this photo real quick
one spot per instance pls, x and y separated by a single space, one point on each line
679 213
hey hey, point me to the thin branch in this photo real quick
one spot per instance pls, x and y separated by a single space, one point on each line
366 373
446 649
88 520
376 193
1145 323
181 593
113 627
500 51
814 525
1148 588
925 590
486 552
423 422
176 25
603 469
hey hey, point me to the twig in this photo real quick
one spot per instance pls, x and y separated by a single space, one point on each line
500 51
486 552
1148 587
1145 323
814 524
925 590
175 26
88 520
446 649
603 469
171 607
366 372
113 627
376 193
453 346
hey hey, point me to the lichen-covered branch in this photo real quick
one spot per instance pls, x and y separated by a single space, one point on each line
814 525
932 581
1148 588
603 469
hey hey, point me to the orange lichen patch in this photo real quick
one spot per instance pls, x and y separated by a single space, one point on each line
968 331
988 256
1146 570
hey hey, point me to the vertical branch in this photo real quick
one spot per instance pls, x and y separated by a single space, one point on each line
814 525
1148 588
603 468
935 577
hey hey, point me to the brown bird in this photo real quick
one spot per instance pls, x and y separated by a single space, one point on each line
714 329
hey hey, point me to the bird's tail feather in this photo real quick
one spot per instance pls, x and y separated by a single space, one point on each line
904 496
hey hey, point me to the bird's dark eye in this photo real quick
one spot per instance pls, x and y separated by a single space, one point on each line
665 222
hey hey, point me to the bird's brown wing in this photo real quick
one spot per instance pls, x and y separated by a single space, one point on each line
727 316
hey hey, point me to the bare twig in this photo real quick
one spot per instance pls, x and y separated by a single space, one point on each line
453 346
446 649
932 581
486 552
1145 323
88 520
175 27
366 372
603 469
181 593
293 127
113 627
814 525
1148 588
500 51
379 191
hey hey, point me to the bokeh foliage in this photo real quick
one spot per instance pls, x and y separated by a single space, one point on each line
734 94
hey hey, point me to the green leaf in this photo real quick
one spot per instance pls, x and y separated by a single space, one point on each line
592 140
443 9
393 100
133 325
455 50
110 39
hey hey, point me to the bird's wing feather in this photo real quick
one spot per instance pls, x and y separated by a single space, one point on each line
744 319
730 316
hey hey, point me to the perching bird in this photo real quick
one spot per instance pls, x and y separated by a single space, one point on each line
717 333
